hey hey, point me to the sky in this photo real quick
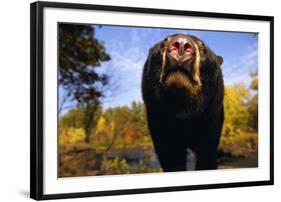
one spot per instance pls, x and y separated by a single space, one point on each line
128 48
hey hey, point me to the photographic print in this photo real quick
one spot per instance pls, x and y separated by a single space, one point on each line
141 100
136 100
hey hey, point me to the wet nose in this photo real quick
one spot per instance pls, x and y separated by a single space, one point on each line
181 46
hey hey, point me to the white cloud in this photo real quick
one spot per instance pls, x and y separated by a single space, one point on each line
125 67
239 72
128 58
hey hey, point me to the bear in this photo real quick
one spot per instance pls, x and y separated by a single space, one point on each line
183 89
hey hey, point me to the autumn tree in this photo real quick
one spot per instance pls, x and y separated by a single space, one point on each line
253 103
235 106
123 126
76 118
79 56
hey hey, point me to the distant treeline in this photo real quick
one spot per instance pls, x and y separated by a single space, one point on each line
126 126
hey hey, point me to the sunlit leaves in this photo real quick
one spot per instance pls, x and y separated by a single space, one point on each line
71 135
235 107
126 126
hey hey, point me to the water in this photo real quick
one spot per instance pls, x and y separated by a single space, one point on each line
147 158
240 162
136 157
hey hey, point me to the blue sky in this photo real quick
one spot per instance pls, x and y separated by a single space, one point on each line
128 48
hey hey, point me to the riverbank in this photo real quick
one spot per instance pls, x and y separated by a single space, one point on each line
84 160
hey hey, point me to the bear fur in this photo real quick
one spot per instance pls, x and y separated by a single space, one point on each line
184 110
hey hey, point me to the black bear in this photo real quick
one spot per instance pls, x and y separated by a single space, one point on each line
182 88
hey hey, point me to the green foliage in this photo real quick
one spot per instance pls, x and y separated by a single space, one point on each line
74 118
119 163
82 117
125 127
91 111
79 55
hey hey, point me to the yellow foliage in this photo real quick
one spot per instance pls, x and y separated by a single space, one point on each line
100 125
112 127
236 115
255 84
105 127
71 135
240 144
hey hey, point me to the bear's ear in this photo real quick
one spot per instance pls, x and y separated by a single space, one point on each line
219 60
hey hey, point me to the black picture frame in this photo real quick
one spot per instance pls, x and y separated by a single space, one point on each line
37 98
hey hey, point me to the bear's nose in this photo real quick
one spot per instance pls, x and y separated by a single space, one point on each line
180 50
181 46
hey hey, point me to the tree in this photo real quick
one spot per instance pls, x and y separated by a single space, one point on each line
71 135
253 103
79 56
83 117
123 126
73 118
235 106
